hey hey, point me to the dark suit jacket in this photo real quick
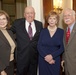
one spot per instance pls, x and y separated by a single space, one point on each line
5 50
26 49
70 53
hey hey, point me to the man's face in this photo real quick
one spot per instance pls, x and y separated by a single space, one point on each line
69 17
29 14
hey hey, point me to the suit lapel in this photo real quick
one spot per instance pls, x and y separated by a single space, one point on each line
3 38
12 36
65 37
37 28
24 28
72 34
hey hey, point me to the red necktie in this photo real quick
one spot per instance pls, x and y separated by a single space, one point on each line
67 35
30 31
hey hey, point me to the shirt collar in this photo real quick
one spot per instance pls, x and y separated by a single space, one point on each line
71 27
28 22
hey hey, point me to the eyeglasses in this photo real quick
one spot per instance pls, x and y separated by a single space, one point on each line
68 15
3 19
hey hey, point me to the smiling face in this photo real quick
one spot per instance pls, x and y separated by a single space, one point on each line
69 17
52 20
3 21
29 14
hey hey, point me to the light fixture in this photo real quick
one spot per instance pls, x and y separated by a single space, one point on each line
57 5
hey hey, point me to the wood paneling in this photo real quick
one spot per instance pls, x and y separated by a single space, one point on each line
8 1
47 7
74 5
10 7
13 1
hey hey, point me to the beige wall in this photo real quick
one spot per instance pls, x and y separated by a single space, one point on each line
65 4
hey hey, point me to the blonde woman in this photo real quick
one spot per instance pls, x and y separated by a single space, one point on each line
50 46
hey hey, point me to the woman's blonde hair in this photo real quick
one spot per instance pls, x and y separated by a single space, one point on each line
53 13
2 12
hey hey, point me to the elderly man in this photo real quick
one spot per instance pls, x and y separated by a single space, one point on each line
27 31
70 42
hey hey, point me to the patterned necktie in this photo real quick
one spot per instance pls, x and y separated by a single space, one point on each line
67 35
30 31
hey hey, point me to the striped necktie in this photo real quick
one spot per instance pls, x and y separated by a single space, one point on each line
67 35
30 31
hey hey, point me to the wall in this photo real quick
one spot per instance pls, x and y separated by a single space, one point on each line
65 4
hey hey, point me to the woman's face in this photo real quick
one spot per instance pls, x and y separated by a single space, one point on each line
52 20
3 21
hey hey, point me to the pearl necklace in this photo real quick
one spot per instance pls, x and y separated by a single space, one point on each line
52 30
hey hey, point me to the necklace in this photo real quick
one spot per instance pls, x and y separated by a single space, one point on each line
52 30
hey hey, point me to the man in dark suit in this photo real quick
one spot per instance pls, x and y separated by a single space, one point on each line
69 58
27 55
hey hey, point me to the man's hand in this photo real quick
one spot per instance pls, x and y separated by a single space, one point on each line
3 73
62 65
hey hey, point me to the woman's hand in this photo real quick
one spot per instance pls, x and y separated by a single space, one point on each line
3 73
48 58
52 62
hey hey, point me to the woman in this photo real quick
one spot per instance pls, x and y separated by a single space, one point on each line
7 45
50 46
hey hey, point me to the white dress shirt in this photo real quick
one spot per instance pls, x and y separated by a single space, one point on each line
71 27
32 25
